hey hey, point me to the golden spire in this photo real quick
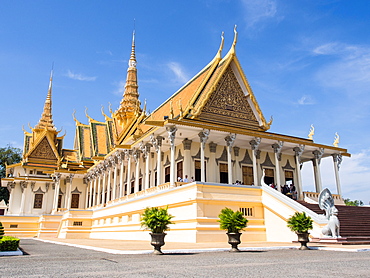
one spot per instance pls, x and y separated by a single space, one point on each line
46 120
130 102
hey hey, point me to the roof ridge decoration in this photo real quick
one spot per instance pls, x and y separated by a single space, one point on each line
46 120
78 123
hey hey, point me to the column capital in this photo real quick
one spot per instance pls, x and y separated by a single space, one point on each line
203 136
255 144
171 134
298 151
337 158
277 148
230 139
10 185
136 155
56 177
318 154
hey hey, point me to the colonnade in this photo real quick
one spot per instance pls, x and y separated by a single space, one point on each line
112 178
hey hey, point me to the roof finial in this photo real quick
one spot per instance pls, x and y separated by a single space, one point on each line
46 120
221 45
235 38
132 61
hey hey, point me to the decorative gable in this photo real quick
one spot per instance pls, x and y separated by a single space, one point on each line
43 151
228 104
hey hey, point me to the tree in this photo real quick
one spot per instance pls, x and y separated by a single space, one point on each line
8 156
354 203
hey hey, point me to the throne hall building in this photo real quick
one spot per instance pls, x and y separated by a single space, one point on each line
210 133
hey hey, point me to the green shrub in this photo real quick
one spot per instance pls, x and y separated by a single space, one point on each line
232 221
9 243
1 230
300 222
156 219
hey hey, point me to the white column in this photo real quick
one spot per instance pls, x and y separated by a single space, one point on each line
56 179
230 139
337 159
109 182
187 158
136 156
71 176
298 153
146 157
114 187
212 168
128 155
11 186
203 137
237 169
23 185
171 136
277 151
98 201
91 181
121 174
96 176
47 193
157 143
255 153
316 165
104 176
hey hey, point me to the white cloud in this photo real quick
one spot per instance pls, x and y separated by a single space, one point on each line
120 88
306 100
177 69
350 69
80 77
260 10
354 176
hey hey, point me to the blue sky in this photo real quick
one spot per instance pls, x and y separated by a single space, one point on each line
308 62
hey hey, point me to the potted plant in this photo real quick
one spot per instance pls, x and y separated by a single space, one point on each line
157 220
300 223
233 222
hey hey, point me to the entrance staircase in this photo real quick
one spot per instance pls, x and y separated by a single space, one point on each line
354 223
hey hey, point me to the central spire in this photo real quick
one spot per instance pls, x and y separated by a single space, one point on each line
130 103
46 120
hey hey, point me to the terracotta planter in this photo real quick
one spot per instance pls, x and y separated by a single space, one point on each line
303 239
157 242
234 241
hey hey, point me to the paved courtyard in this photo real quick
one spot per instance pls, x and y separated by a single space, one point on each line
52 260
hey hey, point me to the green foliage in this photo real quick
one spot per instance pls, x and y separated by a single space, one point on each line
300 222
156 219
354 203
8 156
233 222
9 243
1 230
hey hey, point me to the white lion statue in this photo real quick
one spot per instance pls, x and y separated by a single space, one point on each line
326 203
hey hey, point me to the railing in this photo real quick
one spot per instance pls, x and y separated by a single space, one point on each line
145 192
315 197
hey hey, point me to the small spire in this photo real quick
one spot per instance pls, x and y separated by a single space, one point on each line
46 120
132 61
